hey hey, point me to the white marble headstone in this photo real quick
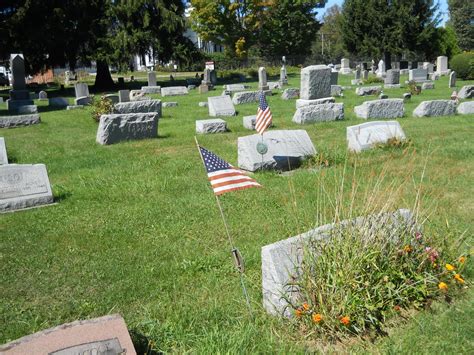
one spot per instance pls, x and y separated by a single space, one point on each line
366 135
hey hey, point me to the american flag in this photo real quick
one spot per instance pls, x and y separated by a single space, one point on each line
223 176
264 115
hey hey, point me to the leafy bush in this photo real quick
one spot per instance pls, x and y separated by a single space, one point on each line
463 65
103 106
373 80
414 88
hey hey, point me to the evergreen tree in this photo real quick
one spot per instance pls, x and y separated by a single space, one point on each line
461 14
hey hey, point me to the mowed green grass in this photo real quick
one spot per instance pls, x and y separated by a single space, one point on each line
136 230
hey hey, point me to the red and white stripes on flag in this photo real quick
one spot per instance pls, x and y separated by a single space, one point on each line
264 115
223 176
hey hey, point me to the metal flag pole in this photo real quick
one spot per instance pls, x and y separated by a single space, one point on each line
238 260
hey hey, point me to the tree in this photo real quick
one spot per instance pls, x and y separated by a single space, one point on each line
380 28
288 27
448 45
461 18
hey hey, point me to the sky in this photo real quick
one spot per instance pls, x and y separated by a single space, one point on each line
443 8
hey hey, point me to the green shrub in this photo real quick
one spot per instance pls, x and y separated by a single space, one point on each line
414 88
463 65
373 80
103 106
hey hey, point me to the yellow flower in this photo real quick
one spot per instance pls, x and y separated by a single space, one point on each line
317 318
450 267
443 286
407 249
462 259
306 306
459 278
345 320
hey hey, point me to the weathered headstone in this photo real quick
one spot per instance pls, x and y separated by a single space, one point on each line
206 82
429 85
151 89
99 336
151 79
137 95
452 79
368 90
435 108
286 150
220 106
429 67
418 75
357 76
124 95
381 69
19 120
336 90
326 100
81 90
392 79
466 108
386 108
174 91
244 97
366 135
142 106
24 186
319 113
127 126
442 65
282 261
216 125
42 96
315 82
365 74
345 68
19 96
334 77
3 152
283 76
262 79
466 92
290 93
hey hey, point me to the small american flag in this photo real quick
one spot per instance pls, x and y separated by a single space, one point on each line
223 176
264 115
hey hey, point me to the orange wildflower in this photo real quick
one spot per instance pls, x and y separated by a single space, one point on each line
317 318
306 306
298 313
459 278
407 249
450 267
443 286
397 308
462 259
345 320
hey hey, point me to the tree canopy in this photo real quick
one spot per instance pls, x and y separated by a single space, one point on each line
461 14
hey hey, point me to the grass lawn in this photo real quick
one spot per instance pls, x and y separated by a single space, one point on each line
136 230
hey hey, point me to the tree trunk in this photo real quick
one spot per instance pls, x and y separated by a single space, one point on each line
388 60
103 79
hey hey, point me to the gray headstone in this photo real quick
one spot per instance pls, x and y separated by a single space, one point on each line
326 100
429 67
214 77
407 96
334 77
381 69
281 261
174 91
83 101
442 65
274 85
283 76
357 74
319 113
216 125
286 150
220 106
143 106
249 122
19 120
151 89
42 95
126 126
262 79
345 68
392 77
365 74
3 152
336 90
386 108
418 75
17 67
452 79
137 95
170 104
81 90
466 108
151 79
315 82
290 93
244 97
207 77
428 86
466 92
58 101
24 186
435 108
368 90
124 95
366 135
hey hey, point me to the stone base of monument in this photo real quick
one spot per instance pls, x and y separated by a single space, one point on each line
211 126
386 108
319 113
286 150
324 100
151 89
367 135
24 186
84 100
27 109
281 261
345 71
14 105
203 88
142 106
391 86
19 120
435 108
127 126
104 335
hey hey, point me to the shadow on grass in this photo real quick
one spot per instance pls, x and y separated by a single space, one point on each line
142 344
